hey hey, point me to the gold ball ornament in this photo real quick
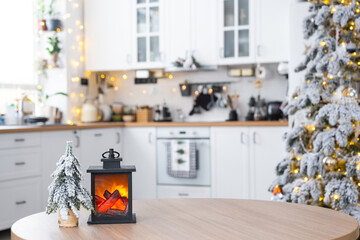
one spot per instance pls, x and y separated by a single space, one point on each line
350 93
329 163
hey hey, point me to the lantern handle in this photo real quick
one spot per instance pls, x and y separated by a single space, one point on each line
111 153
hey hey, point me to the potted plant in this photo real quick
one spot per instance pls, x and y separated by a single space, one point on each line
52 22
41 23
54 48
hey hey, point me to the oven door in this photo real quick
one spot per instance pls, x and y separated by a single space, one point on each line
203 177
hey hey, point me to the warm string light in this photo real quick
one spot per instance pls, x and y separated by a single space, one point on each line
335 196
75 79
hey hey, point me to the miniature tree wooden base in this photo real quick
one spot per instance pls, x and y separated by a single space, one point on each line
72 220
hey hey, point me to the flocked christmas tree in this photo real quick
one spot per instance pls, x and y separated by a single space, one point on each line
66 192
323 164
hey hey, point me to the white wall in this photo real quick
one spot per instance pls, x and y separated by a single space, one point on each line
274 88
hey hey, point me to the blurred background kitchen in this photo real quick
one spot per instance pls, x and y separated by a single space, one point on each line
136 74
87 61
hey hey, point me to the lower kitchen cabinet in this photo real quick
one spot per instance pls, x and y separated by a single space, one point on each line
140 150
229 151
183 192
244 160
267 149
53 147
19 198
93 143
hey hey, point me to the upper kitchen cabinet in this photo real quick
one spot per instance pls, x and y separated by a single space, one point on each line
255 31
148 47
237 31
272 31
190 30
108 39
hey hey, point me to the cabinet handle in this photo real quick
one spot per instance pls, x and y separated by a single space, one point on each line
150 137
19 163
98 134
19 139
118 138
258 50
20 202
254 138
162 56
242 138
183 194
77 141
128 59
221 52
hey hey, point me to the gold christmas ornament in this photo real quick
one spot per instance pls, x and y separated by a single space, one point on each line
349 92
329 163
293 162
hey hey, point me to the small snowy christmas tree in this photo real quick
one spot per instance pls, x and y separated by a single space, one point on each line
66 193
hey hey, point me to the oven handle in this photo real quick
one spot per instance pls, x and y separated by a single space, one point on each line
197 159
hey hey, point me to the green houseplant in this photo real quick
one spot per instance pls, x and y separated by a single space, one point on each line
54 48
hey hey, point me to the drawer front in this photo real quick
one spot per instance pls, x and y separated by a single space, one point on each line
15 140
183 192
183 132
19 198
25 162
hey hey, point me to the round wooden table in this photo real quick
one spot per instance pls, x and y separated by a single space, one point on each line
202 219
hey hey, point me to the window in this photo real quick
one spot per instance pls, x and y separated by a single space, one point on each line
17 60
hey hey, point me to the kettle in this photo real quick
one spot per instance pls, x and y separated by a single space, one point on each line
89 112
274 111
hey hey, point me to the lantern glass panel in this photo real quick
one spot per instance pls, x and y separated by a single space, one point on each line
111 195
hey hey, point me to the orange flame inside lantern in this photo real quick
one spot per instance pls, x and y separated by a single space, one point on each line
111 192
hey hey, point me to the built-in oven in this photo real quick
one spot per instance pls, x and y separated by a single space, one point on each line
201 137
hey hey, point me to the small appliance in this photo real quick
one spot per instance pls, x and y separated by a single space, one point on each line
274 111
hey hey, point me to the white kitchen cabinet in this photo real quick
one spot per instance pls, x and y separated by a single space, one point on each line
93 143
108 35
190 30
267 149
236 31
19 163
230 149
272 31
140 150
147 34
244 160
19 140
256 31
19 198
53 147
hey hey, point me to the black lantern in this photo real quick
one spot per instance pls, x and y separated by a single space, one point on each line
111 189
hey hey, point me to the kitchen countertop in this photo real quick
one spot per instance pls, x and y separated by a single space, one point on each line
42 128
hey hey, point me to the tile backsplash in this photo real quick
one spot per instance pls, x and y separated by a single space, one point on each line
274 88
